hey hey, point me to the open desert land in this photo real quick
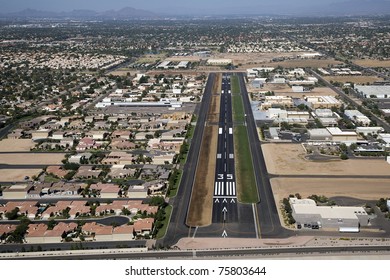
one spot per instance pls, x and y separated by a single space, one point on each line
31 158
353 79
289 159
312 63
372 63
17 175
16 145
364 189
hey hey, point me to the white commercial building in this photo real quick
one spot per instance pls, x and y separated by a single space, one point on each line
219 61
369 130
357 117
373 91
346 219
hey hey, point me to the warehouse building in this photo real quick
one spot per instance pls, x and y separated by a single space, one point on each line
345 219
357 117
381 92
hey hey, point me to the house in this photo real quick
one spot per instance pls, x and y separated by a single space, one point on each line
106 190
40 134
36 233
120 144
55 235
57 171
97 135
98 232
143 227
26 208
115 158
87 144
79 157
16 191
120 172
121 134
87 172
123 233
6 229
65 189
160 157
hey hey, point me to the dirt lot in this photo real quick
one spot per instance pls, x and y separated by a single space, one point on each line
372 63
16 145
17 175
201 205
213 114
365 189
289 159
30 158
353 79
313 63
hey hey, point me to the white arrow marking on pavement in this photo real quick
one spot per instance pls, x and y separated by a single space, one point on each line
216 201
224 211
233 200
224 201
224 234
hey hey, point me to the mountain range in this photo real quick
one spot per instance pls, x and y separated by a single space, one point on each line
122 14
350 7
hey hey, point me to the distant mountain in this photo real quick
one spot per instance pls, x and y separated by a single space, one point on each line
359 7
123 14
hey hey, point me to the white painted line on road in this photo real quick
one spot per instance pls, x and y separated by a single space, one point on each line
219 156
196 229
225 167
231 156
231 188
216 188
230 130
234 189
220 130
222 188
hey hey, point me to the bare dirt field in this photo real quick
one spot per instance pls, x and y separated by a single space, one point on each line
365 189
201 205
213 114
16 145
289 159
372 63
17 175
353 79
313 63
31 158
152 58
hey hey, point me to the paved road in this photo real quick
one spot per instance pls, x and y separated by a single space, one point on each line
268 218
5 248
252 253
178 228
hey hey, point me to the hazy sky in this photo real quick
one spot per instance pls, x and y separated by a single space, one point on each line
154 5
180 6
